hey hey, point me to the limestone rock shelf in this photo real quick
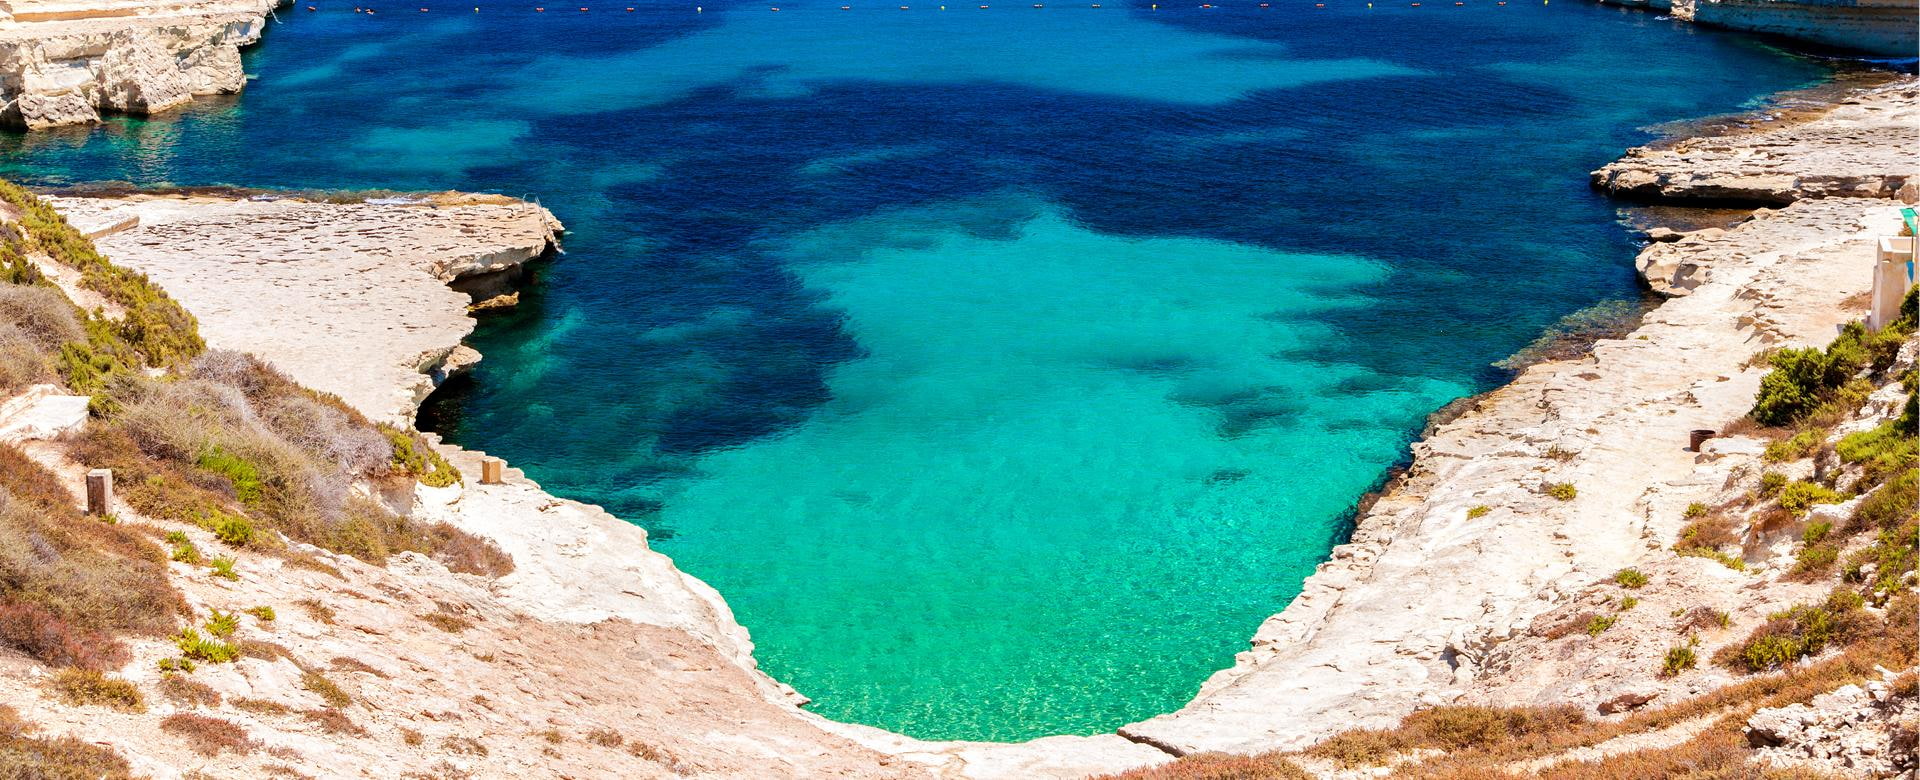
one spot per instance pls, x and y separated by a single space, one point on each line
68 62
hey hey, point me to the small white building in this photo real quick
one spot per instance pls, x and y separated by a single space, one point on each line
1893 272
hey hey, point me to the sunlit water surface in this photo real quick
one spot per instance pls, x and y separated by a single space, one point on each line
1003 368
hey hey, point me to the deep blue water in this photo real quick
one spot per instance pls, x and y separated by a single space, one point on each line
1004 368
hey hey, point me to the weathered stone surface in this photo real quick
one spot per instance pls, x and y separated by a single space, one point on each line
1427 605
348 298
41 412
339 296
1849 732
1868 147
67 62
1884 28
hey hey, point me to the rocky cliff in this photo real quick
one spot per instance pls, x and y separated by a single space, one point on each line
1883 28
1511 513
64 63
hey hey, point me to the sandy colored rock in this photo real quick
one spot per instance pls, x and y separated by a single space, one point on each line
1867 147
1424 605
348 298
66 62
344 297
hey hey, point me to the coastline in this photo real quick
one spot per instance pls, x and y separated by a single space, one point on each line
1320 662
68 63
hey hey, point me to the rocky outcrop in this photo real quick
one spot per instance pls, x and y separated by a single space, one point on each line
68 63
1883 28
318 287
1851 732
1866 147
1450 569
347 298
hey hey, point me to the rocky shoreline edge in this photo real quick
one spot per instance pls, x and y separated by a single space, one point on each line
1348 652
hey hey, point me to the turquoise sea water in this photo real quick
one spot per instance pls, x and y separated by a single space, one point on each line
1003 368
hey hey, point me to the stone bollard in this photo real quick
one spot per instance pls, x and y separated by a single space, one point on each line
100 492
490 470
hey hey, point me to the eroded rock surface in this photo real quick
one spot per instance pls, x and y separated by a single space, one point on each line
1427 599
350 298
354 299
1866 147
1852 731
69 61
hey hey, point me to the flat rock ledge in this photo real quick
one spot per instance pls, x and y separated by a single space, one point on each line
350 298
67 62
1868 146
1409 612
357 300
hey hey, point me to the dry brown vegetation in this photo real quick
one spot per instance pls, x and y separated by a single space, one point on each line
1809 649
184 690
69 583
27 757
333 721
206 735
234 443
89 687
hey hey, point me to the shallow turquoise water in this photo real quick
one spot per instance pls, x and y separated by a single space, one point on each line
1005 368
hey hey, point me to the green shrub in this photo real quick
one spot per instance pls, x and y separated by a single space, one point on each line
1884 450
223 568
1563 491
1733 562
1695 511
412 456
1816 531
1630 578
1815 558
1799 446
244 476
1600 623
186 552
1679 659
1477 512
222 624
1798 632
1771 482
1805 380
264 613
232 529
1628 603
154 325
193 646
1801 495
